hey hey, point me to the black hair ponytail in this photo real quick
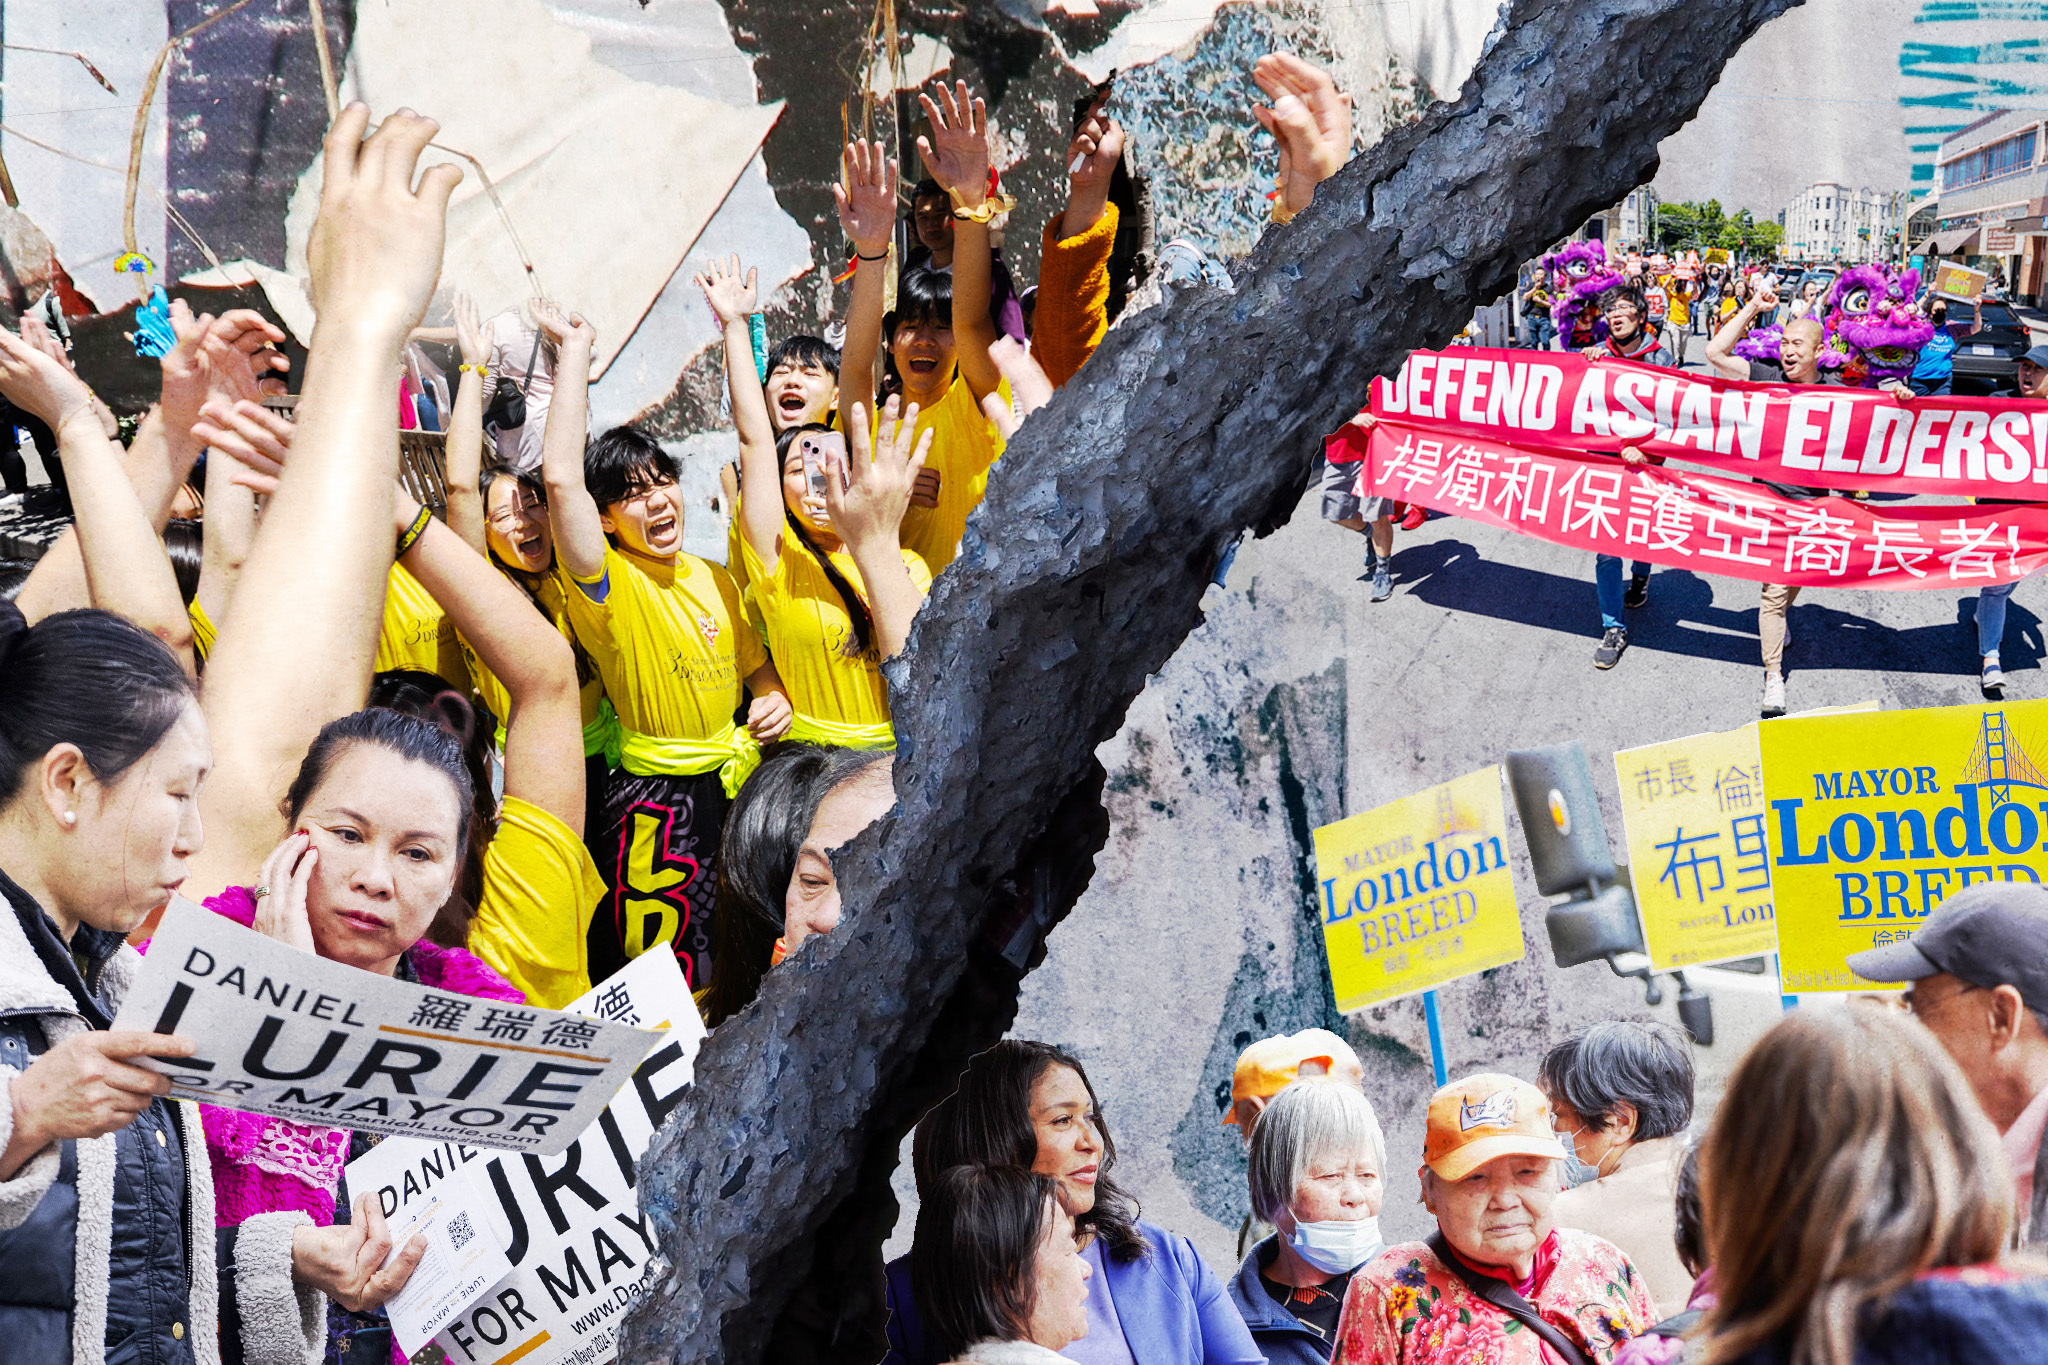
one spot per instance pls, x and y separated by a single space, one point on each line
88 678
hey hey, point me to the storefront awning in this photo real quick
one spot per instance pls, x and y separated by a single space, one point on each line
1956 241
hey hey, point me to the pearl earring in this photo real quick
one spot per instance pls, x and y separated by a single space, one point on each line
70 817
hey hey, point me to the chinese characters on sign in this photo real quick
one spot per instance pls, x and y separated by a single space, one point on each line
1693 811
1418 892
1689 520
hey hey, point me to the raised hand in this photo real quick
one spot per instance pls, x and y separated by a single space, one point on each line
470 337
956 154
867 493
251 435
36 383
731 296
563 329
1094 150
281 893
866 196
1309 117
375 249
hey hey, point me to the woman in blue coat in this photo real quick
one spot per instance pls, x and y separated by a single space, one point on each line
1151 1300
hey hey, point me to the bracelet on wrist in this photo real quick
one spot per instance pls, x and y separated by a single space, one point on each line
881 255
479 370
985 210
412 533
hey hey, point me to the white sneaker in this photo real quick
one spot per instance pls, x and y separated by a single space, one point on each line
1994 676
1774 694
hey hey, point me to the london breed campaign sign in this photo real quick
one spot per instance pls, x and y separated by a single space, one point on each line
1417 892
286 1033
1874 819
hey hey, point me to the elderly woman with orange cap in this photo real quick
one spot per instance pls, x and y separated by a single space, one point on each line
1497 1283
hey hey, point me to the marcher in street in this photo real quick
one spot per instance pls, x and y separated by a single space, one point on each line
1629 337
1992 600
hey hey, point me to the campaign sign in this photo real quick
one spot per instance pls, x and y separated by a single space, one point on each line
421 1189
1693 810
1417 892
571 1228
286 1033
1875 818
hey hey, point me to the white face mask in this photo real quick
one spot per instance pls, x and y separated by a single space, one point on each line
1338 1246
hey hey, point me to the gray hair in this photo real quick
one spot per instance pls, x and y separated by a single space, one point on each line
1618 1062
1309 1119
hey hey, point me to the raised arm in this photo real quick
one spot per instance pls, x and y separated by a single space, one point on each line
525 652
300 637
124 565
956 155
867 504
465 453
1073 276
866 196
230 520
733 298
1721 350
577 519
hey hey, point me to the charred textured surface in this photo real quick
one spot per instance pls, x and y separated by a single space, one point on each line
1080 577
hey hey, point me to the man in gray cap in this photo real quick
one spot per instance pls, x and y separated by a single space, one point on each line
2033 382
1977 976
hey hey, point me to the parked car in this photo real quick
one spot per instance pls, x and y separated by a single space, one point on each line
1990 339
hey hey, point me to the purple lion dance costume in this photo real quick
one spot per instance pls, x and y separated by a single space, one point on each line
1875 328
1578 277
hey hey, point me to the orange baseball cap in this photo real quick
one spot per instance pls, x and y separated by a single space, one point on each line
1482 1117
1270 1065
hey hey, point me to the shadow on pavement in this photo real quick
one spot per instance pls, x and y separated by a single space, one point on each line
1683 618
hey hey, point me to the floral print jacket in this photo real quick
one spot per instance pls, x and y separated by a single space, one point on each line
1408 1308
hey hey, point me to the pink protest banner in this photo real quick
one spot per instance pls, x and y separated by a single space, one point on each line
1696 521
1788 433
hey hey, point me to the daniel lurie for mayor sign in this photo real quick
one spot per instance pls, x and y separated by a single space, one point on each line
286 1033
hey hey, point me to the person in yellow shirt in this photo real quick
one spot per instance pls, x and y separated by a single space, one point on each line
939 334
417 636
678 658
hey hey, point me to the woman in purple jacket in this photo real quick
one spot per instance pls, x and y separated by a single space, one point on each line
1151 1300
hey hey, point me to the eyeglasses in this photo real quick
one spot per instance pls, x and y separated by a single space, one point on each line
1921 1009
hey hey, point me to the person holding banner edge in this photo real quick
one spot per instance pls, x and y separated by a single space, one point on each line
1992 599
1629 337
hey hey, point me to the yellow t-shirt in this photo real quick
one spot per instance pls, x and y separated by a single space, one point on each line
806 624
671 643
591 687
418 635
964 448
203 633
540 887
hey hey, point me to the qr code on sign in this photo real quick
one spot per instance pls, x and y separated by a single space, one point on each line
460 1231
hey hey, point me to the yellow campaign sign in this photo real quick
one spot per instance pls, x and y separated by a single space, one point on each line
1418 892
1693 810
1875 818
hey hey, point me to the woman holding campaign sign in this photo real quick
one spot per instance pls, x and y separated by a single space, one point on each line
103 753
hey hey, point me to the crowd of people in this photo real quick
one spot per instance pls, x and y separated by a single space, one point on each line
1646 316
500 746
503 746
1867 1192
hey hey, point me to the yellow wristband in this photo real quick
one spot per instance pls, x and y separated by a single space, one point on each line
413 532
466 367
988 209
